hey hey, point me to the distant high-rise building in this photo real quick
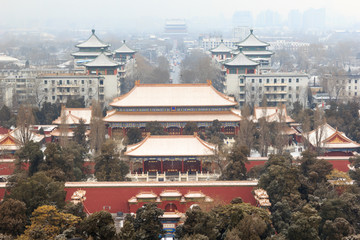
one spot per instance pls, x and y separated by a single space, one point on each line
295 19
242 18
314 18
268 19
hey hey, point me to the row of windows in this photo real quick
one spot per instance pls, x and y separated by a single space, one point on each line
60 82
275 80
75 90
282 96
274 88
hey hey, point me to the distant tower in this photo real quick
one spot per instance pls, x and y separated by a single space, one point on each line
90 49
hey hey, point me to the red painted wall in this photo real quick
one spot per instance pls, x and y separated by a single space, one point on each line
341 165
254 163
115 199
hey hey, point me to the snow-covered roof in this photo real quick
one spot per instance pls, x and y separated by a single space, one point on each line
264 52
170 193
193 194
171 145
252 41
73 116
222 48
5 58
327 137
102 61
223 116
240 60
89 54
173 95
124 48
146 195
272 114
16 133
93 42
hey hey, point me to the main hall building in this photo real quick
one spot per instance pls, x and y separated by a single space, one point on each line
172 105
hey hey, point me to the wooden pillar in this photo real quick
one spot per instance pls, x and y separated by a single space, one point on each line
109 131
227 71
200 165
143 166
105 71
222 129
181 130
97 72
237 70
162 166
124 131
182 165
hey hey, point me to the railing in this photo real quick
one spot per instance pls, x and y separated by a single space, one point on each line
162 177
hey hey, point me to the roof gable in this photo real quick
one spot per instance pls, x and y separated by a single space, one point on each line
252 41
124 48
93 41
240 60
102 61
73 115
222 48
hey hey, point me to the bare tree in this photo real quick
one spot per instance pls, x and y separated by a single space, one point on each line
25 119
97 127
247 129
64 130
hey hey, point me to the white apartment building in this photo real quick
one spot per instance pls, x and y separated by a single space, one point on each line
278 88
61 87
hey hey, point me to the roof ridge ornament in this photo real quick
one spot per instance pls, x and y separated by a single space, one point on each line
93 31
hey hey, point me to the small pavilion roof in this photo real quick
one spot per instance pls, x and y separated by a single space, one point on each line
326 136
194 194
240 60
124 48
73 116
170 193
252 41
171 145
102 61
272 114
93 42
146 195
173 95
222 48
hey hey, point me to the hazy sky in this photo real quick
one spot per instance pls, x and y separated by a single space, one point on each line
110 13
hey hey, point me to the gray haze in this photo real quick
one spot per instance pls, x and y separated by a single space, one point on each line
149 16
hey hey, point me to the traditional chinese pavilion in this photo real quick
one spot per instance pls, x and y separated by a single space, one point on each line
221 52
71 118
124 53
331 141
90 49
170 154
241 64
172 105
256 50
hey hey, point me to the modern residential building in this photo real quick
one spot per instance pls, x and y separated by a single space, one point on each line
61 87
277 88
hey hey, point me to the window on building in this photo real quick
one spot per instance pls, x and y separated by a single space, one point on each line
275 80
90 90
90 82
75 82
53 89
289 95
45 90
282 88
53 97
282 80
82 81
252 88
68 89
289 88
289 80
67 81
60 82
349 87
45 81
102 82
253 80
282 96
83 89
349 80
297 80
241 89
260 88
260 80
297 96
297 88
267 80
46 98
275 88
355 81
53 82
267 88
